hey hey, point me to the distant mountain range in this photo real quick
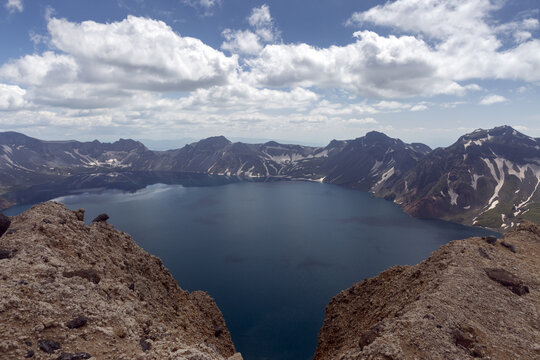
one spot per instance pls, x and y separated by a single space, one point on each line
488 178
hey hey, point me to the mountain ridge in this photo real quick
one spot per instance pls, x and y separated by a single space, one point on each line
488 177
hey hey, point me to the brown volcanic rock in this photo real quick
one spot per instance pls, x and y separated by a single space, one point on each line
424 209
4 223
92 290
457 304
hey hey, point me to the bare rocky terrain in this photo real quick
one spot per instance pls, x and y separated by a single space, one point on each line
70 291
473 298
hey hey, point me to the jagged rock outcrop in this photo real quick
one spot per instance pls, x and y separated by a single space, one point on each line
71 291
473 298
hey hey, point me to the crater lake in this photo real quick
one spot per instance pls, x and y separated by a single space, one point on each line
271 254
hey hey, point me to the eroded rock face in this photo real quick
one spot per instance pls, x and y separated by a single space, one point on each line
470 299
72 291
4 223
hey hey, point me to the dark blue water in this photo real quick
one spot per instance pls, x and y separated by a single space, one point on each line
271 254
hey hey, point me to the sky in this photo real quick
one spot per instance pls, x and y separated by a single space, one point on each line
296 71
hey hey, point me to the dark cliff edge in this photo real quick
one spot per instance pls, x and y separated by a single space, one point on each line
473 298
72 291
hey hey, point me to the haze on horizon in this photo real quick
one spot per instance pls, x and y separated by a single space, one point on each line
297 71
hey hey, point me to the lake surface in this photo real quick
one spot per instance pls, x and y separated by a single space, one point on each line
271 254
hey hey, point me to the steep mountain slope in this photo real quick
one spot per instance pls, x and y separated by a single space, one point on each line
26 161
360 163
219 156
487 178
472 298
365 163
70 291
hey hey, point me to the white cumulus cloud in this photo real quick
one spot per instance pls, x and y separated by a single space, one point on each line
493 99
362 121
241 41
11 97
372 66
14 6
141 53
100 64
250 42
138 73
261 20
441 47
205 5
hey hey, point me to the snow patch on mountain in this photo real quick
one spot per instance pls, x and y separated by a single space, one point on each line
7 149
384 177
501 164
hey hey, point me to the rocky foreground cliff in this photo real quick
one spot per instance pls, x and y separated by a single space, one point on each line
70 291
473 298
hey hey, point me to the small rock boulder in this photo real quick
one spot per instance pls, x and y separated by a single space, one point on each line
48 346
5 254
77 322
88 274
76 356
508 280
483 254
218 330
80 214
462 338
509 246
367 338
4 223
101 218
145 345
490 239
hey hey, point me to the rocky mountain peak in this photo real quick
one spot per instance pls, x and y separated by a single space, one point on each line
376 134
498 135
16 139
376 137
213 143
271 144
128 145
421 148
